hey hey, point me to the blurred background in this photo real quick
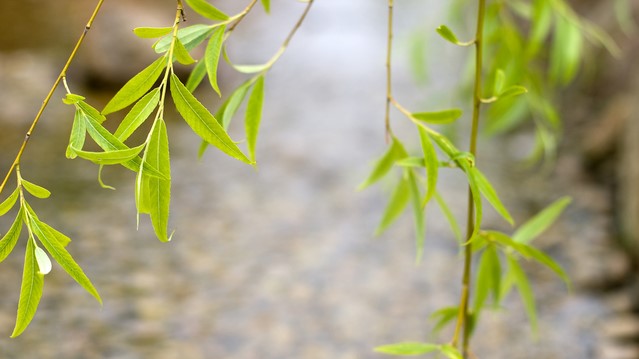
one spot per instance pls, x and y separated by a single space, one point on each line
281 262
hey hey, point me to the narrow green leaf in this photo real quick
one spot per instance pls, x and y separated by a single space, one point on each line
202 121
432 164
498 84
490 194
525 290
110 157
182 54
267 5
540 222
411 162
142 193
54 233
8 203
109 142
443 317
30 290
90 111
207 10
450 217
57 251
138 114
488 277
190 37
476 195
396 205
72 99
450 351
447 34
512 91
212 56
78 134
136 87
159 190
408 348
546 260
253 116
196 76
418 214
8 242
395 152
44 263
439 117
35 190
232 104
152 32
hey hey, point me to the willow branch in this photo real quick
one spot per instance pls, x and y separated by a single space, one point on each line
47 99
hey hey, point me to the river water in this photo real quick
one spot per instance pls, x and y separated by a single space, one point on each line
269 264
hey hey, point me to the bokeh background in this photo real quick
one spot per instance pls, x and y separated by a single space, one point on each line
281 262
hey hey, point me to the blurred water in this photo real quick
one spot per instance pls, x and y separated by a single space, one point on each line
274 263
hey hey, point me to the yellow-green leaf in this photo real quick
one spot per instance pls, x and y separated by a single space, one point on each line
267 5
525 290
113 157
540 222
159 190
431 162
136 87
212 56
202 121
408 348
418 214
396 205
490 194
190 37
34 189
196 76
8 203
439 117
395 152
72 99
207 10
182 54
253 116
138 114
30 290
447 34
152 32
78 134
9 240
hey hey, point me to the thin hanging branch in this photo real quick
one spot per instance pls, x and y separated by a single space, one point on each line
47 99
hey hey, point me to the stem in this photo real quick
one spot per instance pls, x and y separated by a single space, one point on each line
462 319
389 48
45 103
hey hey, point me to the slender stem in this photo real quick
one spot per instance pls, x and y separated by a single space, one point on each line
389 50
45 103
466 280
238 18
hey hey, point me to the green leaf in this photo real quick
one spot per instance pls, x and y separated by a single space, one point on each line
540 222
418 214
8 203
110 157
267 5
190 37
454 226
447 34
411 162
90 111
488 277
182 54
212 56
207 10
30 290
196 76
60 237
136 87
8 242
439 117
476 195
78 134
138 114
498 84
408 348
232 104
34 189
202 121
525 290
152 32
431 162
159 190
72 99
489 193
44 263
544 259
450 351
253 116
109 142
445 315
57 251
395 152
566 51
512 91
396 205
